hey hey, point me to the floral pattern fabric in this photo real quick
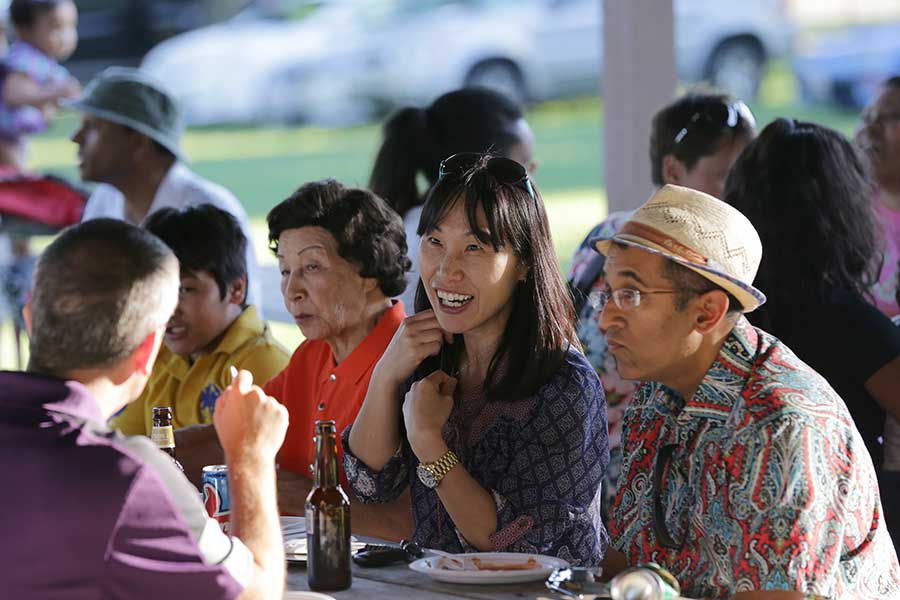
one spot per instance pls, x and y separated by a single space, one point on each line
542 458
760 481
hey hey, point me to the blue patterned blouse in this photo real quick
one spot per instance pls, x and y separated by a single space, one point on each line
542 458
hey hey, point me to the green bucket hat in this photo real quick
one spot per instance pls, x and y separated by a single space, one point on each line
129 97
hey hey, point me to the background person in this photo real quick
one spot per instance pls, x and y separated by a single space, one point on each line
211 330
35 82
129 141
501 437
879 137
342 256
693 143
111 516
416 140
802 177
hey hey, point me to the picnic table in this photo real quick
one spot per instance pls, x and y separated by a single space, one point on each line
400 582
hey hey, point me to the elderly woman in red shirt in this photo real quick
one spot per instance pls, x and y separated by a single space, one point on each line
342 257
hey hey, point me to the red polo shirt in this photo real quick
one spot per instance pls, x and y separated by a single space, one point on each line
313 387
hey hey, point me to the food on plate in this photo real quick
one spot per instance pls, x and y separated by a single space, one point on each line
487 565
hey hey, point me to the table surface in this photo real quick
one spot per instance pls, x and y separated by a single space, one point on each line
401 582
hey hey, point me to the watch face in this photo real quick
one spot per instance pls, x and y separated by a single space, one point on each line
426 477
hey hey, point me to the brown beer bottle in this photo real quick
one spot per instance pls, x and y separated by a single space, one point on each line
327 518
162 434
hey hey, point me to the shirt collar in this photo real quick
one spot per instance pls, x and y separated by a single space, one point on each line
726 379
31 391
355 366
247 325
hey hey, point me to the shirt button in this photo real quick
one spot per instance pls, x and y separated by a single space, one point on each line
321 406
332 377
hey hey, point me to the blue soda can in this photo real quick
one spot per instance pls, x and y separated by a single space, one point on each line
215 495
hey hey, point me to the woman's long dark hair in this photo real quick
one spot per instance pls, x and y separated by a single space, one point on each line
541 324
416 140
806 190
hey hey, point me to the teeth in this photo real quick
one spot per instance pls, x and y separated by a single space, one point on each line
455 298
451 299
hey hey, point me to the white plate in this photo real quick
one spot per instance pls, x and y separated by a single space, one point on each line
307 596
293 527
546 565
295 549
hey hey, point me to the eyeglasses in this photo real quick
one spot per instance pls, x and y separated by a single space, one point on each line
505 170
718 116
625 298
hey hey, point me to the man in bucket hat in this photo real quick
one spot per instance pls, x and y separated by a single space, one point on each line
744 474
129 141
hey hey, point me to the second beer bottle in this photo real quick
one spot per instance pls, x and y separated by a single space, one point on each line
327 518
162 434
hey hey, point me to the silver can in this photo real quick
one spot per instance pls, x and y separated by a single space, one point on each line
641 583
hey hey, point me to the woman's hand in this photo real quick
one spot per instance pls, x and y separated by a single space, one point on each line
425 411
418 337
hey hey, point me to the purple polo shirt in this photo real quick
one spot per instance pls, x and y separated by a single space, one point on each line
89 513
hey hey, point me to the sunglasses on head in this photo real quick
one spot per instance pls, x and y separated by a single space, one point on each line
717 116
505 170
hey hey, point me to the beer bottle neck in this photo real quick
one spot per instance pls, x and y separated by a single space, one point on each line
325 472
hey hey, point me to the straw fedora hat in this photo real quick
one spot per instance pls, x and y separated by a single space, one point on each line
700 232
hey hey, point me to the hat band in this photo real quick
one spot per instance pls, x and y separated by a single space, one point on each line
661 239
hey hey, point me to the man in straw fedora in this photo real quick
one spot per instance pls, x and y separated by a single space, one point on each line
744 474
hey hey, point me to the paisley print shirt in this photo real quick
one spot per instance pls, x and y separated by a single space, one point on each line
760 481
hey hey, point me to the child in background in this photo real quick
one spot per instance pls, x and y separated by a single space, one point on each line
32 82
211 330
35 82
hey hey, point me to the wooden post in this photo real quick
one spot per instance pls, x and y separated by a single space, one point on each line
638 78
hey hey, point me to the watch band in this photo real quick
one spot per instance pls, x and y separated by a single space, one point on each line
442 466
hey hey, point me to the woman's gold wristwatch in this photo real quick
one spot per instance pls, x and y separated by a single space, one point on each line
431 474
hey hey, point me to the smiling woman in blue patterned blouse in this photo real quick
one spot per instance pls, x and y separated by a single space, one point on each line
483 402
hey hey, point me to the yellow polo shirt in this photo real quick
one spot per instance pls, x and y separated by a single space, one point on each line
192 389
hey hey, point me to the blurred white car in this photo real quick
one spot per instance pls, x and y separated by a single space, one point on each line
347 60
263 66
551 48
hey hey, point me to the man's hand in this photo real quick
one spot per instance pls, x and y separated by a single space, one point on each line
251 427
249 423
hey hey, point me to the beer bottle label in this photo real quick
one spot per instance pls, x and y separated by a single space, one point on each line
163 437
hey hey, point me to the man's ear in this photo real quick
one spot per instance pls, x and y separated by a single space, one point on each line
144 356
673 170
140 145
712 308
237 291
26 315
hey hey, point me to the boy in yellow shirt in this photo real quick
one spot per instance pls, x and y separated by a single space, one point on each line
211 330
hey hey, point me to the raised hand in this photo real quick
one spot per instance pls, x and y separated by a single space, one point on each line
425 411
418 337
248 422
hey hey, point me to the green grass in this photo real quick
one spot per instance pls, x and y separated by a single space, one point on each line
263 165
